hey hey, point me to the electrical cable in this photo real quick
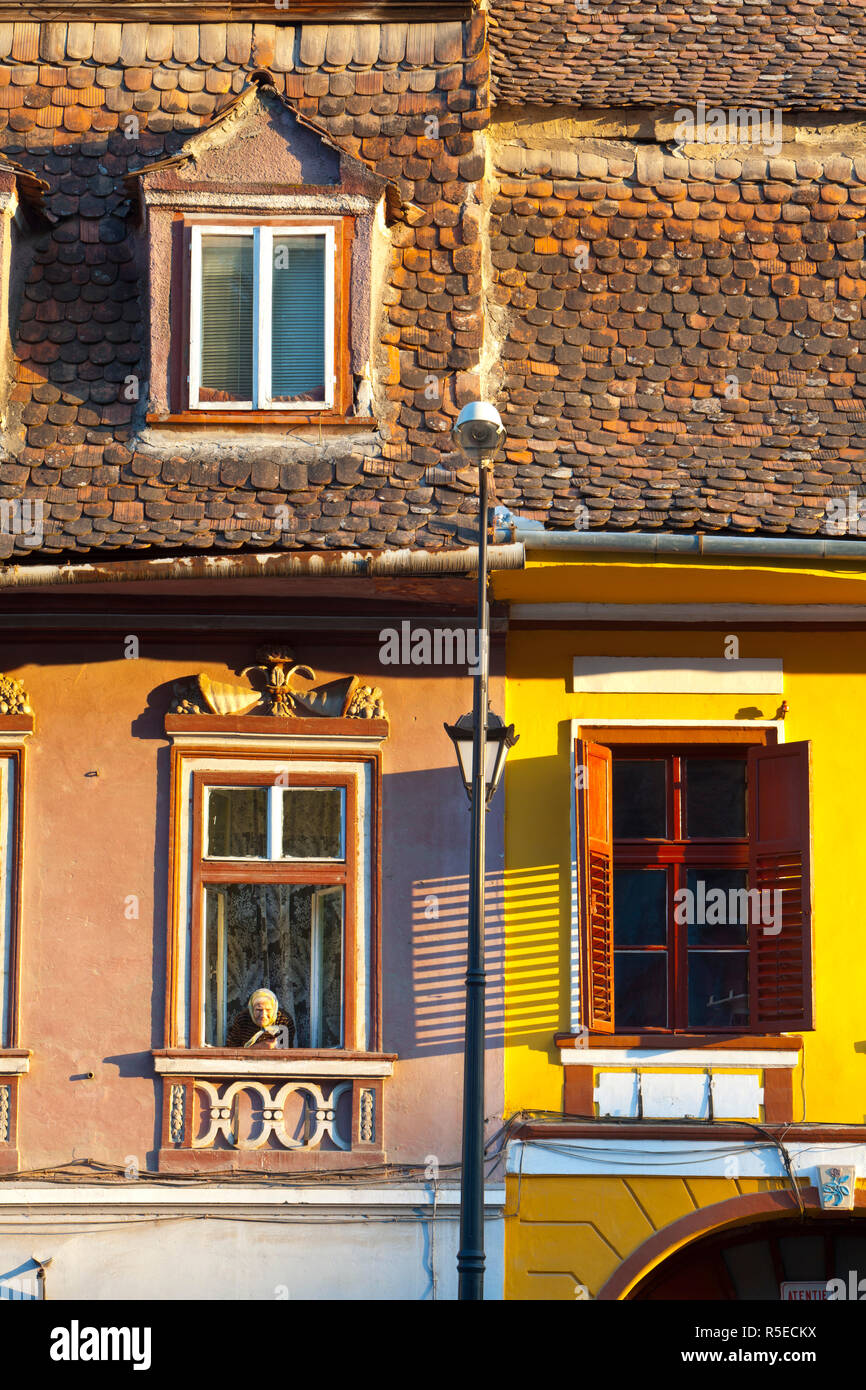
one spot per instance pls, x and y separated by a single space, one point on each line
613 1157
70 1172
79 1172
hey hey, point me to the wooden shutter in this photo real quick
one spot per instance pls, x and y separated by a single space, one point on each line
780 965
595 883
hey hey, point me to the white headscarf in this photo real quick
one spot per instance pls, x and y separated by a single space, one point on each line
268 994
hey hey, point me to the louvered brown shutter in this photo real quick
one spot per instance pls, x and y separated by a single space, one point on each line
779 860
595 883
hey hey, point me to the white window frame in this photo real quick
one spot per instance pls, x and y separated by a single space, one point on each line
263 260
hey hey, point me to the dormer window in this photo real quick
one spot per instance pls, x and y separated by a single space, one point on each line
262 273
262 317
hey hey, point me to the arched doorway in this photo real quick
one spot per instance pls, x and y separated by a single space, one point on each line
757 1260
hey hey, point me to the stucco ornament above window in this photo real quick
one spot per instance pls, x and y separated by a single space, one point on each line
13 698
278 692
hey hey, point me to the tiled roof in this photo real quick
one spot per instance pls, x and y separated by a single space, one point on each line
684 339
615 377
73 440
795 53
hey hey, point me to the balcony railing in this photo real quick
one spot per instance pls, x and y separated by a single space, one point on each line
272 1111
14 1064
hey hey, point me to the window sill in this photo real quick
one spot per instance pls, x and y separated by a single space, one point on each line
14 1061
368 731
678 1050
17 723
668 1042
266 418
244 1061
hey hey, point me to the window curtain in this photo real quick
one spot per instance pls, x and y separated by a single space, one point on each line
298 319
227 318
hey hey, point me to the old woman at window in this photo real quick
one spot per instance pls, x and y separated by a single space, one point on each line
264 1024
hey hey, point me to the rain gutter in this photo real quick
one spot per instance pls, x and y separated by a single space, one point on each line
284 565
648 542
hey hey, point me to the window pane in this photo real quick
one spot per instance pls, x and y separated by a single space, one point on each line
718 989
640 907
328 912
284 937
313 823
718 909
715 797
298 319
227 318
237 822
641 989
639 799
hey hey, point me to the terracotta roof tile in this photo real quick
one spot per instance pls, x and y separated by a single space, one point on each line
615 377
79 334
392 48
314 39
160 42
648 52
79 40
212 43
133 45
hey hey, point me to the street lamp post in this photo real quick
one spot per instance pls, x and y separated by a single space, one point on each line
480 434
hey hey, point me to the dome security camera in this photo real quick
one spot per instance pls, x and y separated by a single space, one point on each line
479 432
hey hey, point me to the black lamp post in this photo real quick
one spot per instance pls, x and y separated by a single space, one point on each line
480 434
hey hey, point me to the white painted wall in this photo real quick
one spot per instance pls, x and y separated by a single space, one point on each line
674 675
271 1251
711 1158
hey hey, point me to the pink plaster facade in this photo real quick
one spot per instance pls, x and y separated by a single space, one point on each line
96 832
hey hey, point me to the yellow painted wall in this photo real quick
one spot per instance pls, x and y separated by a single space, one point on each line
576 1230
566 1234
825 687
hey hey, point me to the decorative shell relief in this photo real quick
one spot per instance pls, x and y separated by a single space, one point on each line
199 694
227 699
344 698
13 699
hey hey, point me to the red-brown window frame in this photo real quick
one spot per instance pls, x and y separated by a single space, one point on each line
781 981
14 852
324 873
180 315
676 852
